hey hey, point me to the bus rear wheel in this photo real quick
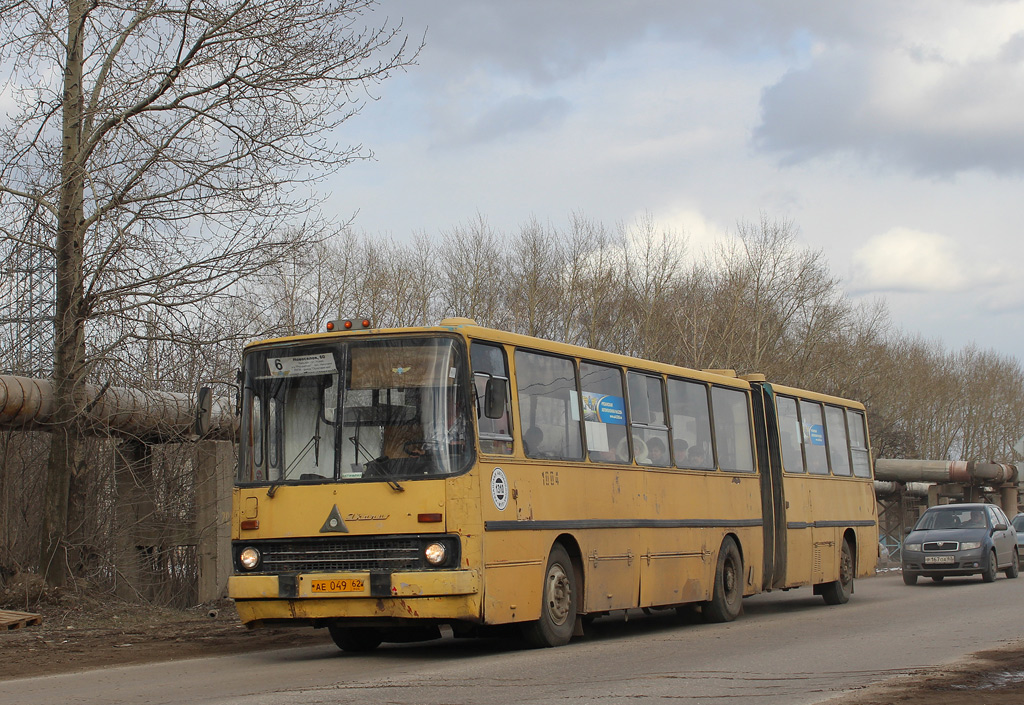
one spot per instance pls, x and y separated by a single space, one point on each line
727 597
838 591
355 639
559 600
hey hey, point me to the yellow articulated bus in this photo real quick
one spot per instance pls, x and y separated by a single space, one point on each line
394 481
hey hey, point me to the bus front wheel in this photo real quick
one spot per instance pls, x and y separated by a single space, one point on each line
558 609
727 597
355 639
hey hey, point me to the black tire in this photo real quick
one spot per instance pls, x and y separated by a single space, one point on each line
938 578
726 601
1014 570
989 573
355 639
559 603
909 578
838 591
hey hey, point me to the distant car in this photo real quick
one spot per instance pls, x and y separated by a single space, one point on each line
961 539
1018 524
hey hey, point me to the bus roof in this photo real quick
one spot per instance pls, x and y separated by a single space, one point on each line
469 329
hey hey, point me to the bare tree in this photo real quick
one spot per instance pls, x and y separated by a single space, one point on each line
161 147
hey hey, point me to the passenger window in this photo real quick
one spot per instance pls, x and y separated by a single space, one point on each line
491 367
691 424
647 419
813 434
732 429
859 444
790 435
604 413
548 406
838 448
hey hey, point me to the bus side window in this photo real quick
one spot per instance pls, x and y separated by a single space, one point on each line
838 446
814 437
859 443
604 413
549 402
691 424
732 429
647 419
489 363
790 435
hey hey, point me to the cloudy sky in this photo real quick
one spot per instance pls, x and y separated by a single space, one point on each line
891 134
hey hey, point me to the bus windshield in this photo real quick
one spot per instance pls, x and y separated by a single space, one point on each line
367 410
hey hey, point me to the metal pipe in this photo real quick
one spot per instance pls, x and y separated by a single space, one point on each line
888 488
969 472
29 403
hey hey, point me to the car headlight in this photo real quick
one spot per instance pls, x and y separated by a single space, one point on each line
249 558
968 545
911 547
435 553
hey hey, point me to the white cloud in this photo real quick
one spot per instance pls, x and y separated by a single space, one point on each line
905 260
935 96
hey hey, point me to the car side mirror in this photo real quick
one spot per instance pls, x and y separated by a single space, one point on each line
999 527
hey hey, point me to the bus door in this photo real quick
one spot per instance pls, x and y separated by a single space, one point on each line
773 502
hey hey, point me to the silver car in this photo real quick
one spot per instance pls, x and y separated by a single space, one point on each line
961 539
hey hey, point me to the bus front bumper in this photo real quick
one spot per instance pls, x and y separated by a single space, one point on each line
316 596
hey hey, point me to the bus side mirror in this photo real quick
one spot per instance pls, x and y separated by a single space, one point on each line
204 406
495 398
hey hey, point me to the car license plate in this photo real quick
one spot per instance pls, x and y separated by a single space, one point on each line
345 585
938 559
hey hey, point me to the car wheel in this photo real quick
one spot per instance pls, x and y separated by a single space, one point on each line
988 574
909 578
1014 570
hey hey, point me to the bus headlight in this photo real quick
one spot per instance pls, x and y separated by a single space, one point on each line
249 558
435 553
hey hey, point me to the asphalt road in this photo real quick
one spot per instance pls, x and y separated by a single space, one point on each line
788 648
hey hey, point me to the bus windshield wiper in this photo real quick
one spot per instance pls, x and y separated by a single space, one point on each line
312 444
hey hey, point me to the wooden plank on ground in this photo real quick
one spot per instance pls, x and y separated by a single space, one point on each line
17 620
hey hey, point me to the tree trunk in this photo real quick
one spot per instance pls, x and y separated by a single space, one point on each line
69 324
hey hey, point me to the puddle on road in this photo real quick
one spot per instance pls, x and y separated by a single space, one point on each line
995 681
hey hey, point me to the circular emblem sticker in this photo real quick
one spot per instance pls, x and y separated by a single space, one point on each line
499 489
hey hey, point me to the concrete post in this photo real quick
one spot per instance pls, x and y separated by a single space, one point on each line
215 464
135 579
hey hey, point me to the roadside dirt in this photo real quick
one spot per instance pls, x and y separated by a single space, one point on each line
83 633
104 634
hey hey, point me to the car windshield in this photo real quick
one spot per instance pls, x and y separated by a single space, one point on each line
1018 522
953 518
377 410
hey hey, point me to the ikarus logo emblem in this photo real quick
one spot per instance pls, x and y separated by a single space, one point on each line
334 524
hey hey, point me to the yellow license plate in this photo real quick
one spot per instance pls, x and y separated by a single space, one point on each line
346 585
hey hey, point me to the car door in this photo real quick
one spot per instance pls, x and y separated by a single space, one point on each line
1004 540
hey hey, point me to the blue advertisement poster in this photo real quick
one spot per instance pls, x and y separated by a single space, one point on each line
816 435
604 408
